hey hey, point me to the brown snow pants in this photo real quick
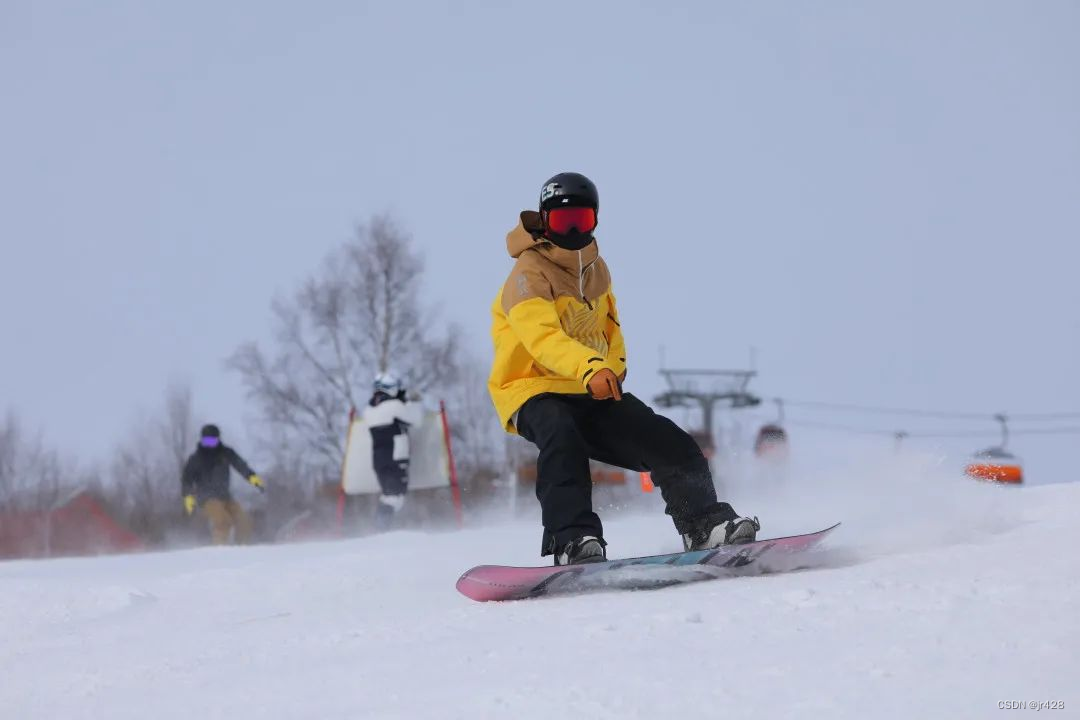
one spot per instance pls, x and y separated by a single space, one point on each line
224 516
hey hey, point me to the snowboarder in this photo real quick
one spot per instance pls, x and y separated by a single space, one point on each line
389 415
557 376
205 484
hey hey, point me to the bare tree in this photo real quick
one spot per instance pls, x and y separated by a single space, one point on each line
10 450
146 468
177 425
474 426
358 315
31 475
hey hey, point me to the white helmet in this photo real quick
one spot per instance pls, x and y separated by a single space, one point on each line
387 382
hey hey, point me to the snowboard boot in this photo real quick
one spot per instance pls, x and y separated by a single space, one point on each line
736 531
588 549
386 510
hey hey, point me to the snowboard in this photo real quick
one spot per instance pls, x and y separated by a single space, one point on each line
501 582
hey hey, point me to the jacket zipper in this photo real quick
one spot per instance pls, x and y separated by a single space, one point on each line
582 269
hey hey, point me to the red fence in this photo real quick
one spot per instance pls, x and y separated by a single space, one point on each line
79 525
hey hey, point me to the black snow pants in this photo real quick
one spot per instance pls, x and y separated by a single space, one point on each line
394 479
571 429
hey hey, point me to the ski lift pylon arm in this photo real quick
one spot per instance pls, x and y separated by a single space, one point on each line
1004 420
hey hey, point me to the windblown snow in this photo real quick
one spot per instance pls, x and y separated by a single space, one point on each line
938 597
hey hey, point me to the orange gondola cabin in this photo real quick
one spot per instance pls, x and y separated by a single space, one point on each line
771 442
996 465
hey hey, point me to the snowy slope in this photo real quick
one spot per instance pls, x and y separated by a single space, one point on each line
938 601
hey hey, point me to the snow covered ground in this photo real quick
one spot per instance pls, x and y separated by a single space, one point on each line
939 597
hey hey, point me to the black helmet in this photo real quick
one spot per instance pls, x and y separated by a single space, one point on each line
569 188
210 431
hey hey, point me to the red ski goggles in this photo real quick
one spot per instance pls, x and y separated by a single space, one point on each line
560 220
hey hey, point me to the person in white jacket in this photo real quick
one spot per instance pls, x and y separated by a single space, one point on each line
389 415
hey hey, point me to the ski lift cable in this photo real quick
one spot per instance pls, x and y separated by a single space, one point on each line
1037 417
938 414
1048 431
837 428
930 435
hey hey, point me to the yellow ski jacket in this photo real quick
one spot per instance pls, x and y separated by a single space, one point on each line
554 323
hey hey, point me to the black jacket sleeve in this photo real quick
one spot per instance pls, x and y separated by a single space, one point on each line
238 463
187 480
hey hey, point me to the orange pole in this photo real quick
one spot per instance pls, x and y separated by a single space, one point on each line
646 482
341 487
455 489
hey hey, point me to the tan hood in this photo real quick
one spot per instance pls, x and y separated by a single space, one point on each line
529 234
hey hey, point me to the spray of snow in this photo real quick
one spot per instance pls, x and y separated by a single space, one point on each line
938 597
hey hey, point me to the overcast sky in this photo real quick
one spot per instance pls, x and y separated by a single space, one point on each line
882 198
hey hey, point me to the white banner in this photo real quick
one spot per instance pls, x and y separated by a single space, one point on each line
429 464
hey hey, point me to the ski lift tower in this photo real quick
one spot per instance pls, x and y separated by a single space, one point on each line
707 389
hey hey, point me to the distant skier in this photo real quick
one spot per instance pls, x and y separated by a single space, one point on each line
557 380
389 415
205 484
